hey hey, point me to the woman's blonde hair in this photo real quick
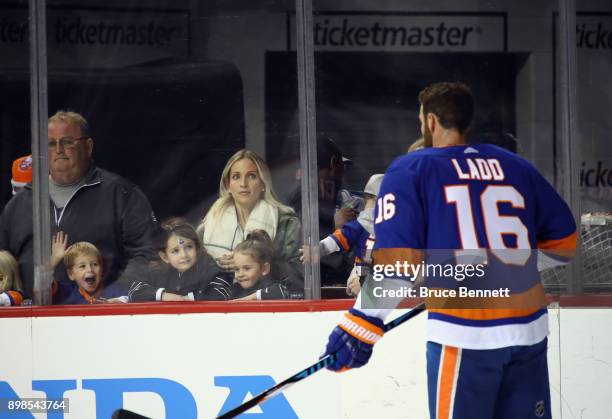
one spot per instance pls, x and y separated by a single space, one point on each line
225 198
9 267
417 145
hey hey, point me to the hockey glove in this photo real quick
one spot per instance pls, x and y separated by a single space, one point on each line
353 340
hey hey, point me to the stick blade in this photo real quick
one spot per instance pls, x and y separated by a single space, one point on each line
126 414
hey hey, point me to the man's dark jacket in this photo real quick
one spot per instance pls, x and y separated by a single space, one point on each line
107 211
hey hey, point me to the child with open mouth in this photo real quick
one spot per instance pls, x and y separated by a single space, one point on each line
84 265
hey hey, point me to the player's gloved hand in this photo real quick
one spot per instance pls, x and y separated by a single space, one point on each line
353 340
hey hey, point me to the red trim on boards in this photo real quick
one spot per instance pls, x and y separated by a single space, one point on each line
177 308
287 306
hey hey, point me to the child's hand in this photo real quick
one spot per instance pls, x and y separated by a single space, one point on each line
353 286
226 262
116 300
58 248
169 296
344 215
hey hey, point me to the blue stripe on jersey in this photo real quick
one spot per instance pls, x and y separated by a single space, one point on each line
487 323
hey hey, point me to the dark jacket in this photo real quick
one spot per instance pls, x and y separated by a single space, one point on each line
108 211
288 240
270 290
335 267
285 275
202 280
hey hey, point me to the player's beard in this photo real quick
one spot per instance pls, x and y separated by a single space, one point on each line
427 137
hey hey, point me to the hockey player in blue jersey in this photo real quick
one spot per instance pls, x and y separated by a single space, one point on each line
483 360
358 236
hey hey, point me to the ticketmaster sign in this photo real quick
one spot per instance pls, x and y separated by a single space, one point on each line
82 37
408 32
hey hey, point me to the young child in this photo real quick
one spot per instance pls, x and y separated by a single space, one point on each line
254 259
85 268
356 235
184 271
10 282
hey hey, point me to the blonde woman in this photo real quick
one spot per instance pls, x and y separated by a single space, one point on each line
247 202
10 281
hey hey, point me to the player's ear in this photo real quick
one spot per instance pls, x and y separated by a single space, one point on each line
71 276
432 121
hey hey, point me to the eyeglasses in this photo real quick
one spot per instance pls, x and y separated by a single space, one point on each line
66 142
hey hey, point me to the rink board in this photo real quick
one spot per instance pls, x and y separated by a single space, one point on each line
181 362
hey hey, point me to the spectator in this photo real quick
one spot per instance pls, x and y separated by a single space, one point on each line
358 236
183 270
85 268
254 259
22 173
88 203
247 202
331 165
10 282
336 207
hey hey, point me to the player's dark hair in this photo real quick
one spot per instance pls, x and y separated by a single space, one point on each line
258 245
451 102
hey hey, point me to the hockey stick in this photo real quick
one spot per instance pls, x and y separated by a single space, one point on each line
307 372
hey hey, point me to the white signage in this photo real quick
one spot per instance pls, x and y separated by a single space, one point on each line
198 365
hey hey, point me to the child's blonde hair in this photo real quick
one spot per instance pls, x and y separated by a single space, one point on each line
9 267
80 248
417 145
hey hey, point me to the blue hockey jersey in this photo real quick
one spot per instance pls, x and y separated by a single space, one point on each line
437 203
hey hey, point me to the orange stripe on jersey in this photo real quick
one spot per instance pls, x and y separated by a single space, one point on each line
394 255
341 239
516 305
563 247
447 381
484 313
16 297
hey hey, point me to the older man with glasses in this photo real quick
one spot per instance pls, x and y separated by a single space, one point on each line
87 203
